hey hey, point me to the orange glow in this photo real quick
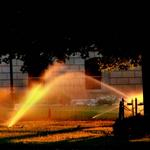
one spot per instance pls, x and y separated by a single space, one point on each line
108 87
40 91
138 95
4 94
68 83
61 86
32 97
37 93
52 70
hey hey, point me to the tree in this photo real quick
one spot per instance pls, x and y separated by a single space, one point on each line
37 37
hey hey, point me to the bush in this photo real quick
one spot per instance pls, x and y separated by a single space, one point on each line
137 126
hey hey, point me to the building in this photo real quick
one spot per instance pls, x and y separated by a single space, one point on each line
126 81
20 80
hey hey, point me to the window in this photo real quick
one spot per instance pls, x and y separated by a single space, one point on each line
92 70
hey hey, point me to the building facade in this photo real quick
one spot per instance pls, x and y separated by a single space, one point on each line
20 80
126 81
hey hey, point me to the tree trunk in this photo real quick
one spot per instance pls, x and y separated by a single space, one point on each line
146 83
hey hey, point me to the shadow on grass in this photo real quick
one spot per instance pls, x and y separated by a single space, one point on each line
103 143
33 134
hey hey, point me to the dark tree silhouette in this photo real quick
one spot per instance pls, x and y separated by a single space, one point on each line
38 34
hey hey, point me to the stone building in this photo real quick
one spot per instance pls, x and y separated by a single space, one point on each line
126 81
122 80
20 80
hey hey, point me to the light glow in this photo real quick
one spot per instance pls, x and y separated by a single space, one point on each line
55 82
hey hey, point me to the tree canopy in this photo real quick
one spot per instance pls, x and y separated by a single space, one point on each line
38 35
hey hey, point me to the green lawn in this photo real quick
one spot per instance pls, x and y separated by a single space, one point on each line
73 112
49 112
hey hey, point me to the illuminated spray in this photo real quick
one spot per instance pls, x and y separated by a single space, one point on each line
139 97
98 115
39 91
128 97
109 87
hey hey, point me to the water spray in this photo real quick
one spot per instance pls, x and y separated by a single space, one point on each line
98 115
39 91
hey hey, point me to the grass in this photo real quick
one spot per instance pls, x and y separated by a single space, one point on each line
66 134
72 112
48 132
68 127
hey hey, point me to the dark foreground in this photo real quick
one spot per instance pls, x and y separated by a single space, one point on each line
103 143
67 135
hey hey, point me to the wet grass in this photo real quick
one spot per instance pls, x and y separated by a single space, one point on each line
72 112
65 135
45 132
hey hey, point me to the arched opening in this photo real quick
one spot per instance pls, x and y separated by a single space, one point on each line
92 69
